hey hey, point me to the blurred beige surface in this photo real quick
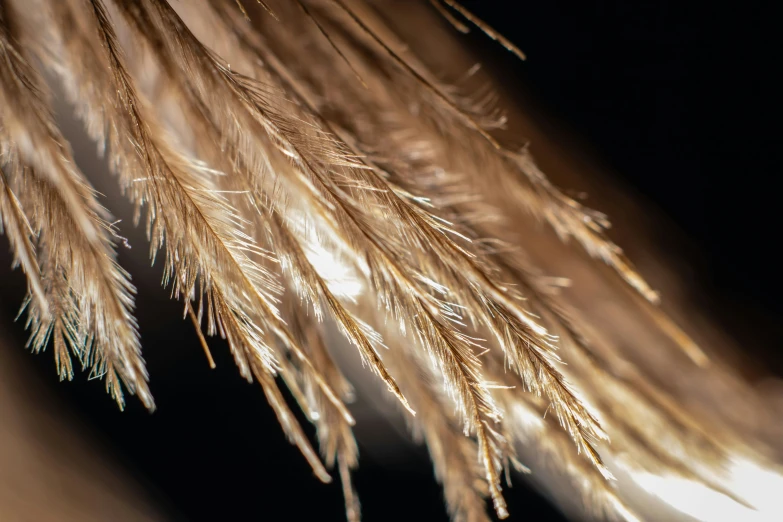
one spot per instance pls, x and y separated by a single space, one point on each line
50 468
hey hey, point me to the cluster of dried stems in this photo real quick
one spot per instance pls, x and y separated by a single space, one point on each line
290 179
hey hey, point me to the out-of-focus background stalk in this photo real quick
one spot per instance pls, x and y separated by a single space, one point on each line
213 451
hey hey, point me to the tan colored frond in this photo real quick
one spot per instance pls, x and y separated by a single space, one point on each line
89 297
317 190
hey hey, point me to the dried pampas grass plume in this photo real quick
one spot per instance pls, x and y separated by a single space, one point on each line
333 177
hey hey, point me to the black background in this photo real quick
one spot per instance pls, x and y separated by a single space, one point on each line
677 98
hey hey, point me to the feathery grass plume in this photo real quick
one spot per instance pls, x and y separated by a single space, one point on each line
16 226
243 98
332 178
349 96
440 333
88 297
335 436
453 454
484 301
511 325
531 428
567 216
204 240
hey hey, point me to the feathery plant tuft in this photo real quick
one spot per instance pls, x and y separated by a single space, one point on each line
285 182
